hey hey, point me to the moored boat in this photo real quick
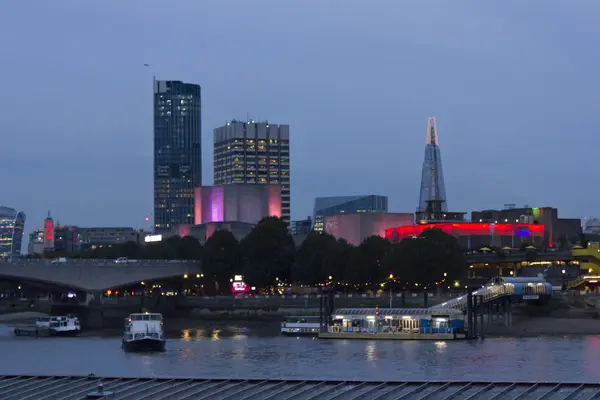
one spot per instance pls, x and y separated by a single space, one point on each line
60 326
144 332
300 326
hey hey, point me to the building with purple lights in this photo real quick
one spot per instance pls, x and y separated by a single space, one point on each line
243 205
237 202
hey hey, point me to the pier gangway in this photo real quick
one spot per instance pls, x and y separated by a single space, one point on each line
521 288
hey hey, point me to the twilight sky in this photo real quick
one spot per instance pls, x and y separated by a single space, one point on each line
513 84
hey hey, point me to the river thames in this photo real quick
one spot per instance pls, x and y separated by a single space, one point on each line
239 351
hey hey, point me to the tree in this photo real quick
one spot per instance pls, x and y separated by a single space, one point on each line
365 263
188 248
222 258
316 259
268 253
427 259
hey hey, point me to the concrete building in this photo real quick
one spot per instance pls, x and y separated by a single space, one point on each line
555 229
356 227
204 231
330 206
177 153
254 153
235 206
12 224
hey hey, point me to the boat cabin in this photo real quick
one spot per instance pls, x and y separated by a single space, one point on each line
396 320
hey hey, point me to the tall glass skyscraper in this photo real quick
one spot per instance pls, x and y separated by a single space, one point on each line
177 152
12 224
433 190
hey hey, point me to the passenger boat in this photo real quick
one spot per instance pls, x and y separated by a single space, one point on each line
144 332
59 326
300 326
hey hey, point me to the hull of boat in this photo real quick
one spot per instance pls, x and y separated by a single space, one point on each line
146 344
69 333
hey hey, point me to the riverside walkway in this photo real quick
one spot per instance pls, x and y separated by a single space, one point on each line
88 387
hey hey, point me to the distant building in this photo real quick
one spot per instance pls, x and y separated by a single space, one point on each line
36 242
254 152
301 227
177 152
555 229
107 236
240 206
330 206
433 190
66 239
12 224
356 227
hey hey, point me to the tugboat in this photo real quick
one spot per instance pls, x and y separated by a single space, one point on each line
58 326
144 332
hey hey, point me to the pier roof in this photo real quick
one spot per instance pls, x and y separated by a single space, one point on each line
395 311
75 388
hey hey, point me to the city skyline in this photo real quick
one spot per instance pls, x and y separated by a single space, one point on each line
527 127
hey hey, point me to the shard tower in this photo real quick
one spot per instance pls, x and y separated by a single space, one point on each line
433 191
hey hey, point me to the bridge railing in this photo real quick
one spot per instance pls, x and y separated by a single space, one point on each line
96 261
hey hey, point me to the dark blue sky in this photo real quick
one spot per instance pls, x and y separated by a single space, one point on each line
513 84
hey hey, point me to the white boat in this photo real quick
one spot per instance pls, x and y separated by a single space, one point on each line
144 332
59 326
301 326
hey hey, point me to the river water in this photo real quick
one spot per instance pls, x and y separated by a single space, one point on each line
238 351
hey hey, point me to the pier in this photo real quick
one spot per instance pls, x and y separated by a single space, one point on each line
92 387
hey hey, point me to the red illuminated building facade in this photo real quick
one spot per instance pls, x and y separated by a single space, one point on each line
475 235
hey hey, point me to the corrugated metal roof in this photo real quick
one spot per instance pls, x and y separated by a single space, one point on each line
75 388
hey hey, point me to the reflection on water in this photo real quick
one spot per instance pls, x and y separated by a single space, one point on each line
370 351
440 346
195 334
236 351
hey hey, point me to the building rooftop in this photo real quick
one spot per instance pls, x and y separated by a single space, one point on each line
75 388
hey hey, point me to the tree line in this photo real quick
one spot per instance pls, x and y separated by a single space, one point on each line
268 256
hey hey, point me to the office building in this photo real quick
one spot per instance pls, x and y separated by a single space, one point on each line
108 236
177 152
12 224
330 206
254 153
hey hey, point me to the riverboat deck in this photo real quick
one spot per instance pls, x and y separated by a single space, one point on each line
76 388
